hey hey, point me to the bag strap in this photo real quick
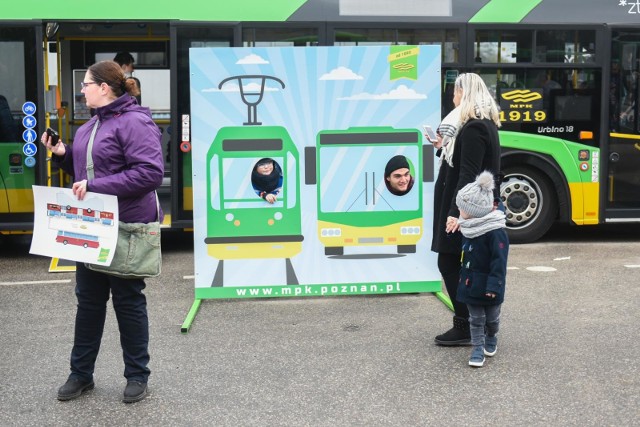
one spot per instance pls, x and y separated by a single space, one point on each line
91 175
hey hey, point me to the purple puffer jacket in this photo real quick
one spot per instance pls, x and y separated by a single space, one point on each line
127 158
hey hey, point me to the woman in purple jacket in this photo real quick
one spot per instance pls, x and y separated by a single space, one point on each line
128 163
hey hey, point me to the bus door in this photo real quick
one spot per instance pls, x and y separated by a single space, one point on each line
623 198
21 123
185 37
78 45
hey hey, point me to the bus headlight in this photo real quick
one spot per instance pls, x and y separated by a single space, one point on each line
409 230
229 217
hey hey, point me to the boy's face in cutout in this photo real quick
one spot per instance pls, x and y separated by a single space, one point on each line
265 168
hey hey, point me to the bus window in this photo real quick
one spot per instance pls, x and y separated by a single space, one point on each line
18 84
623 160
628 117
565 46
448 39
12 93
551 102
503 47
365 37
349 186
279 37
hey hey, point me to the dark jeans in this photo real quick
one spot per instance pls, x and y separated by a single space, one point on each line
483 318
449 266
130 305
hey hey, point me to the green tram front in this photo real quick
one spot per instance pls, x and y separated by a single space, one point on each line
240 224
355 205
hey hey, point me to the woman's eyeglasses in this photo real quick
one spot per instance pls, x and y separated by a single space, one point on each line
85 84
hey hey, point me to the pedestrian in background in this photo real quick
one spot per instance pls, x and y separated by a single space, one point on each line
485 248
126 60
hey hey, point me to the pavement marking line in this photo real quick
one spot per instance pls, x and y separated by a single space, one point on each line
541 268
562 258
633 266
513 268
36 282
188 277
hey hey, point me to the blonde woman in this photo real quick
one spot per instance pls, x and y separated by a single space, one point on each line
475 148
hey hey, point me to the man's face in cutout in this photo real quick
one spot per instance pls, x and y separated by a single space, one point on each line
399 179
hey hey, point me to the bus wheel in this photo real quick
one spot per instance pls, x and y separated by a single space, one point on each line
85 245
64 242
334 250
530 204
406 249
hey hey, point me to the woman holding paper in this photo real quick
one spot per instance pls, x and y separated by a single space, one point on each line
128 163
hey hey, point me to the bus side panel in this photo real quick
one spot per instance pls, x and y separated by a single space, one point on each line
17 180
578 163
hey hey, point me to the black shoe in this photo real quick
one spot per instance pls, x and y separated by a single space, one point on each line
74 388
458 335
135 391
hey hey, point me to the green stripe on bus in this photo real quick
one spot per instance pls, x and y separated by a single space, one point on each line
504 11
186 10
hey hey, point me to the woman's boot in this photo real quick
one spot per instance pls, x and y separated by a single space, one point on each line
458 335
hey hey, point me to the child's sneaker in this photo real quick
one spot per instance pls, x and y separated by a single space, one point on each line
490 345
477 356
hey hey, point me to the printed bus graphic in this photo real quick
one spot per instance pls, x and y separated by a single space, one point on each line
78 239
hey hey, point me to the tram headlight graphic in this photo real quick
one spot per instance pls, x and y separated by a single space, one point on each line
229 217
331 232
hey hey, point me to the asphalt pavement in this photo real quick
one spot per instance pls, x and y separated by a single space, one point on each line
568 353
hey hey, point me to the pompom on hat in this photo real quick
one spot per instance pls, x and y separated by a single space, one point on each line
476 198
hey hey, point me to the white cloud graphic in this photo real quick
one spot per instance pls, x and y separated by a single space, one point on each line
401 92
341 73
252 59
253 88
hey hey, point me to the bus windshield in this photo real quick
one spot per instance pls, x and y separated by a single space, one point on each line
352 179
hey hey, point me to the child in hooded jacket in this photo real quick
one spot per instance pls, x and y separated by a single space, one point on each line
485 248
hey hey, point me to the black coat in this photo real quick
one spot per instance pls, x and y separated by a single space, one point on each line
484 268
477 149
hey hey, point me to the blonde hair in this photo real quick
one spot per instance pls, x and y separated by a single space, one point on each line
476 101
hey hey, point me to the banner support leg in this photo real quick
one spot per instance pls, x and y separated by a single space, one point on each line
191 316
445 299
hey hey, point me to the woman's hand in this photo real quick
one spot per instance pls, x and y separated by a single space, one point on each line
58 149
80 189
452 224
437 144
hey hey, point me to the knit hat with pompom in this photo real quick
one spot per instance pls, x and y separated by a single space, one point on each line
476 198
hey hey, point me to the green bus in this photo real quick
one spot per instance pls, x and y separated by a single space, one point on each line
565 74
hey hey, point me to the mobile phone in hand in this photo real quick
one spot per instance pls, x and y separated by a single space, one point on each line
431 135
54 136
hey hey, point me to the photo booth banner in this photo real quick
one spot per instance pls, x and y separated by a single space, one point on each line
311 175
